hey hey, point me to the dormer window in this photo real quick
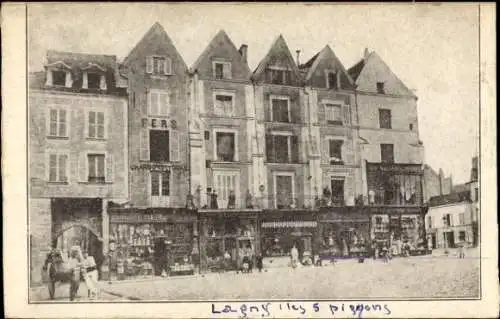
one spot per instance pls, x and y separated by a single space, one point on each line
222 70
94 77
58 78
59 74
279 75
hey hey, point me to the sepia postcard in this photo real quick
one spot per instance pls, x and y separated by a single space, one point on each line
245 160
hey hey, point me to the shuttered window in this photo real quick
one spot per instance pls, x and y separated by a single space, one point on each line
222 70
224 104
159 65
160 184
225 183
96 125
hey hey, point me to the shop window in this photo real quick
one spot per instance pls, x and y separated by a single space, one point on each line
282 148
58 123
387 153
96 168
335 151
225 148
280 110
385 118
461 236
159 148
58 168
96 125
333 114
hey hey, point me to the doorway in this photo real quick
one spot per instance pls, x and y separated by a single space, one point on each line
449 238
433 241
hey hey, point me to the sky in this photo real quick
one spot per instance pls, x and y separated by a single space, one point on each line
432 48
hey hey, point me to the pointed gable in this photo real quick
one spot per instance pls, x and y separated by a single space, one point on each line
278 58
371 71
156 42
316 70
222 49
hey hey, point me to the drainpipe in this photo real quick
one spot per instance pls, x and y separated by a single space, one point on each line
256 134
313 171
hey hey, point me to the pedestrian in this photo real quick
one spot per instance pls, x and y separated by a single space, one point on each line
213 200
258 262
461 253
74 266
91 277
231 202
294 254
227 260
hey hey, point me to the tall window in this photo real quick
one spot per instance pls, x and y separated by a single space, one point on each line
96 168
279 76
58 168
284 190
58 78
337 191
335 151
332 80
159 102
160 184
282 148
225 146
387 153
333 114
222 70
461 219
385 118
280 110
96 124
58 122
380 88
159 146
224 104
447 220
461 236
225 183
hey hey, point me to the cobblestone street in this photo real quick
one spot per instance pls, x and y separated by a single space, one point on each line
414 277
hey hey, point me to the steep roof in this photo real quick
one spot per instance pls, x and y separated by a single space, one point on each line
356 69
81 60
279 45
156 29
221 36
309 63
327 52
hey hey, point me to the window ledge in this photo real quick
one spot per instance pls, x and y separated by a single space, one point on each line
160 76
57 183
93 139
96 184
333 162
52 137
335 123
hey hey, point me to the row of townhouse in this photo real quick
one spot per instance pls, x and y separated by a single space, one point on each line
217 158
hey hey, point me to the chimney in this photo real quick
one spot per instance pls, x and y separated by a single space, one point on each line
298 57
366 53
243 51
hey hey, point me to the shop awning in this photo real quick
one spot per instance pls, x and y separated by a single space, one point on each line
289 224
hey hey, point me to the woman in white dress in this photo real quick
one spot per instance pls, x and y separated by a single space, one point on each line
92 276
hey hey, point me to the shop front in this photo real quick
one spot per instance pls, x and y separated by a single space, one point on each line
152 242
227 237
399 229
282 230
343 232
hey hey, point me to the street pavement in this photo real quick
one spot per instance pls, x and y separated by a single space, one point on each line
437 276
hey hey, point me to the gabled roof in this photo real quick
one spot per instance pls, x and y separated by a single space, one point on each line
312 64
155 29
309 63
221 36
278 45
356 70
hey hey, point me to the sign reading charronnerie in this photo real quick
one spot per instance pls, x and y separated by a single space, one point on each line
151 167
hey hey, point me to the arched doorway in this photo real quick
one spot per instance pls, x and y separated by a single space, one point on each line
83 235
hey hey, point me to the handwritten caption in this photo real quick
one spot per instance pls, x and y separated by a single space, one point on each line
268 309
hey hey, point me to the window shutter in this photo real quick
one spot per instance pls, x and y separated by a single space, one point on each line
326 150
295 148
267 102
175 146
144 156
102 83
82 167
149 64
69 82
294 110
270 153
145 104
167 67
86 124
48 81
85 81
226 69
110 169
165 103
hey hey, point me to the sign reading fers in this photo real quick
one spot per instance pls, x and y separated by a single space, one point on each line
158 123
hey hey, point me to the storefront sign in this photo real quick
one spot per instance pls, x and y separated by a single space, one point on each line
151 167
158 123
289 224
127 217
395 168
